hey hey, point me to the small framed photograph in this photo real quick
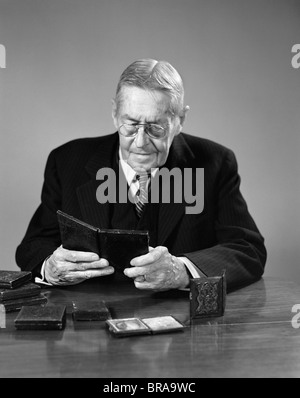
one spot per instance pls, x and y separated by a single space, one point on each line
127 327
164 324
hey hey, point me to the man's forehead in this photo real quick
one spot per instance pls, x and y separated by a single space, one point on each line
136 102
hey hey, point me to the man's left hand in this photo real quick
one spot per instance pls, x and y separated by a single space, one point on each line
158 270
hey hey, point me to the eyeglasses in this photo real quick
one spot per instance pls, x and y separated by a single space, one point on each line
153 130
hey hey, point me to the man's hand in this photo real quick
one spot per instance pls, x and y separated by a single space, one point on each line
69 267
158 270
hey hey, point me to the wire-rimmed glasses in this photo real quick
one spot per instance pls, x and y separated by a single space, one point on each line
153 130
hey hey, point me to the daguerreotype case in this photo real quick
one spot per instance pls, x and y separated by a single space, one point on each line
207 296
136 326
52 317
27 294
17 304
90 311
27 290
13 279
118 246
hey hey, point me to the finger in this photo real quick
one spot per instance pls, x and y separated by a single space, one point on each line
147 259
89 274
144 285
136 271
83 266
148 269
76 256
102 263
153 286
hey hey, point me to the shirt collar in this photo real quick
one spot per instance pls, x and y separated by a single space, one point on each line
127 170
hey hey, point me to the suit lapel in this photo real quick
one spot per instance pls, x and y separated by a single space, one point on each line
94 212
180 156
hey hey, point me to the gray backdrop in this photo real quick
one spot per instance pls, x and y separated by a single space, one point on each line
64 58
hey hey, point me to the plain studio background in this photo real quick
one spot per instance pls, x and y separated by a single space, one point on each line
64 58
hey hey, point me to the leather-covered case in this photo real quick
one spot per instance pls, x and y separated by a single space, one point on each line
13 279
116 245
52 317
207 296
28 290
119 247
17 304
90 311
76 234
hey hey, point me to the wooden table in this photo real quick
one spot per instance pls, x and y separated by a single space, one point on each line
255 338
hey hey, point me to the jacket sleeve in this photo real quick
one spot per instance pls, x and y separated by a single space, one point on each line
42 236
240 248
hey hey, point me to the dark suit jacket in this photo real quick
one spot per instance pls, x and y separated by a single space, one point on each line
223 236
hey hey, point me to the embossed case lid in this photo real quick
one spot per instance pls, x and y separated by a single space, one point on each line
207 296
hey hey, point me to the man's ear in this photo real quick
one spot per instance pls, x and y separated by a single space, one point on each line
182 117
114 113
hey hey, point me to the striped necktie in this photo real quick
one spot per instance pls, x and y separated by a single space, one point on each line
142 193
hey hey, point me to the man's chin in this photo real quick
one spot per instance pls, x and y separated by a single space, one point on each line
142 164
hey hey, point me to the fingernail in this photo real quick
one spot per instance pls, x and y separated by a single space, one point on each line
95 257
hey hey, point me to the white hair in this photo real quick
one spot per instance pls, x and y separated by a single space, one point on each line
151 75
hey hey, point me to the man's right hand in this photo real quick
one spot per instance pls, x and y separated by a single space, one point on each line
69 267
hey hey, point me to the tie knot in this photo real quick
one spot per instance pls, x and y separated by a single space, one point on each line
143 178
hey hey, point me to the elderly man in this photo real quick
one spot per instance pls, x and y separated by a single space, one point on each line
148 113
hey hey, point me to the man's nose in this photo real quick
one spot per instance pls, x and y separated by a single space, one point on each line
142 138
